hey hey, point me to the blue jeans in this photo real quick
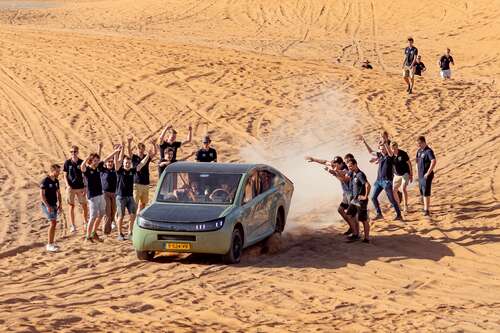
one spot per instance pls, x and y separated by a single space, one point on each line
385 185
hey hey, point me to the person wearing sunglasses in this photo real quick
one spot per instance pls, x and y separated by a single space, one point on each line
75 187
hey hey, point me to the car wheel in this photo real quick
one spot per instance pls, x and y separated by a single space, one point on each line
236 248
145 255
280 221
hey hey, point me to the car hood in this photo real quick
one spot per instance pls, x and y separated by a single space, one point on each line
183 213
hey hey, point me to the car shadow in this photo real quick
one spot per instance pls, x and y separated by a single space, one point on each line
326 248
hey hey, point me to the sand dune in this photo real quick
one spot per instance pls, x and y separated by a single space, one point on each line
255 74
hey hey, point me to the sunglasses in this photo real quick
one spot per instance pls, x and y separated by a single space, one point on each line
74 151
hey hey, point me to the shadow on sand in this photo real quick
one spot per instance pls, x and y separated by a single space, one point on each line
327 249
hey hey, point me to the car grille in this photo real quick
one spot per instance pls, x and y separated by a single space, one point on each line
177 238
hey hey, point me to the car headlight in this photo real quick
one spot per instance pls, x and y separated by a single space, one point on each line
181 226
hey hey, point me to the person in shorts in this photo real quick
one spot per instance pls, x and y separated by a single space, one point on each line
419 66
444 65
338 168
75 187
141 178
206 153
403 175
125 173
410 58
92 168
50 195
168 140
357 211
426 163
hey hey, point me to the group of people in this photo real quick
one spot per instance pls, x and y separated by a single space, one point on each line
413 65
395 173
106 188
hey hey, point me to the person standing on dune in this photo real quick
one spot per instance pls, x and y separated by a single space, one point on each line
75 187
426 162
403 175
50 194
419 66
108 181
339 169
206 152
444 65
409 61
141 178
170 142
385 175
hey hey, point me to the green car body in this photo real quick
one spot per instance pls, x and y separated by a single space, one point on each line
259 207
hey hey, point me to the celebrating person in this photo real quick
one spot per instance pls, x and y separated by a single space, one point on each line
141 177
75 187
50 195
206 153
165 142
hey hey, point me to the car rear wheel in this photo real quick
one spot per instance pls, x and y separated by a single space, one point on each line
236 248
145 255
280 221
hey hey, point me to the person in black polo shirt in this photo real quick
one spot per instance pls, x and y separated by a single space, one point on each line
108 181
419 66
51 203
170 142
444 65
403 175
411 53
92 169
426 163
141 178
385 175
206 153
125 189
75 187
169 159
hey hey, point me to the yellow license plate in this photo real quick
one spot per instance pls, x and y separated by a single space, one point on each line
178 246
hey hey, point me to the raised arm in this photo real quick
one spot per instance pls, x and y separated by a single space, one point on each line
311 159
145 160
99 148
119 158
83 166
390 152
162 134
189 136
370 150
129 145
155 148
112 155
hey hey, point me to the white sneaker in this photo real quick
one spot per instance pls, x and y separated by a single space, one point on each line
72 229
113 226
51 248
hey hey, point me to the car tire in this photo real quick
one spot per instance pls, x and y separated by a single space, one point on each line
235 249
145 255
280 221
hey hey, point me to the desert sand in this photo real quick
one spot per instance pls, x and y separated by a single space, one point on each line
270 81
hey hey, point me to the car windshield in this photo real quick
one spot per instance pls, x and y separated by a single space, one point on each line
200 188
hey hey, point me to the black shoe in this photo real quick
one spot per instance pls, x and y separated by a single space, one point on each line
426 213
398 218
367 241
378 217
353 238
410 90
348 232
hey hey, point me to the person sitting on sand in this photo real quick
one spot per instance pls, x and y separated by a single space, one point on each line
50 195
419 66
91 169
426 162
411 53
339 169
444 65
385 175
366 65
125 189
206 153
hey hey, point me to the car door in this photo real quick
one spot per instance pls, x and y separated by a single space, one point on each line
247 207
265 204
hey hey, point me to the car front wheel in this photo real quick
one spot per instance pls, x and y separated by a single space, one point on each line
145 255
236 248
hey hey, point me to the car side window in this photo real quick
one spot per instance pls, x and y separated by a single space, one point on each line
251 189
266 180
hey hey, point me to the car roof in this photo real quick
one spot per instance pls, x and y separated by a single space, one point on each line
211 167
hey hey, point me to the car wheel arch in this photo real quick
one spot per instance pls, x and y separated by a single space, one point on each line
239 226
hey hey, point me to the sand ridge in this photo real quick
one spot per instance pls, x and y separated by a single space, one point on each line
253 73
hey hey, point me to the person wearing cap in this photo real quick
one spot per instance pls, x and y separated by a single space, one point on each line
206 153
403 175
338 168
